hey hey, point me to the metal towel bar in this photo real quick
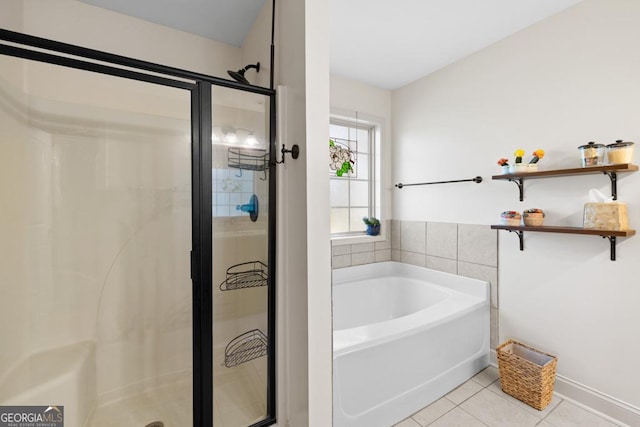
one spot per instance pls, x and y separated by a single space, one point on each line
477 180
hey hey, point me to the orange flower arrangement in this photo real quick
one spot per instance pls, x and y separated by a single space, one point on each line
537 155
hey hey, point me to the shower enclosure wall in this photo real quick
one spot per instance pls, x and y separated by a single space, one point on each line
136 276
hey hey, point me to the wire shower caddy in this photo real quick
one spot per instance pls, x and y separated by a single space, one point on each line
248 159
245 347
245 275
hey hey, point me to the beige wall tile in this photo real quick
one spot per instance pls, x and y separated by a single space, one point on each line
340 261
478 244
442 264
362 247
414 236
362 258
385 244
383 255
395 234
341 250
442 239
482 272
396 255
413 258
495 329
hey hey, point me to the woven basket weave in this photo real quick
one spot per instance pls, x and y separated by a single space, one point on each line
526 373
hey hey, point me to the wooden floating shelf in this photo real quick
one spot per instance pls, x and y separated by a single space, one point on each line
566 230
609 234
625 167
610 170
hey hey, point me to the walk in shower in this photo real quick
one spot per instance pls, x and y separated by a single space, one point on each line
137 251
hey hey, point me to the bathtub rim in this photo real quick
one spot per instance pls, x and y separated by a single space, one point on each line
457 282
358 344
465 295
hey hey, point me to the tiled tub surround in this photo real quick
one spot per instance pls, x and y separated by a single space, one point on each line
464 249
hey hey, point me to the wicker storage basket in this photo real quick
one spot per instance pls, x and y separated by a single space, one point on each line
526 373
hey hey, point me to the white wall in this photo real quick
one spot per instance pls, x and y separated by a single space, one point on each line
352 95
11 17
257 47
558 84
349 97
304 267
318 247
302 79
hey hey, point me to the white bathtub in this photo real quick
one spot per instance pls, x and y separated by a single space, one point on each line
403 336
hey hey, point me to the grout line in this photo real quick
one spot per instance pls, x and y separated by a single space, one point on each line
544 419
479 420
458 404
454 407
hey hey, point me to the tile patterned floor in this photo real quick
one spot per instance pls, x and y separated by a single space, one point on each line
480 402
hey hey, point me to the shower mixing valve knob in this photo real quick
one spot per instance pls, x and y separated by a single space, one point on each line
251 208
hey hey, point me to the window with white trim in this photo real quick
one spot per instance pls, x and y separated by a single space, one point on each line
353 190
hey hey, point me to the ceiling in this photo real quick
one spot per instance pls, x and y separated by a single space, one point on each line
227 21
389 44
383 43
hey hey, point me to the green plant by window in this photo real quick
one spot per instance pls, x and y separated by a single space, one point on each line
370 220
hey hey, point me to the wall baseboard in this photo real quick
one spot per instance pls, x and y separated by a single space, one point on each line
607 406
604 405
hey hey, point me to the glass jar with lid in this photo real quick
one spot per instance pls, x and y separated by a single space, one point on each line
620 152
591 154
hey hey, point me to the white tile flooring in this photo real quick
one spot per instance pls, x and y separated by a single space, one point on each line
480 402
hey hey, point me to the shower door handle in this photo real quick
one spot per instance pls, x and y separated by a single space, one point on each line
193 265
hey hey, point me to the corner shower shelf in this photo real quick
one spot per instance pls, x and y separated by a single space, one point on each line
248 159
245 347
608 234
610 170
245 275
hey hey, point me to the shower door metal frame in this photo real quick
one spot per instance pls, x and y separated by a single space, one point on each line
49 51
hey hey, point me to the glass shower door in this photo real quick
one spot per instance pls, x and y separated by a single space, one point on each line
95 219
241 264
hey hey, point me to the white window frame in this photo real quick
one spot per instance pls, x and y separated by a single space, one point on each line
374 173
